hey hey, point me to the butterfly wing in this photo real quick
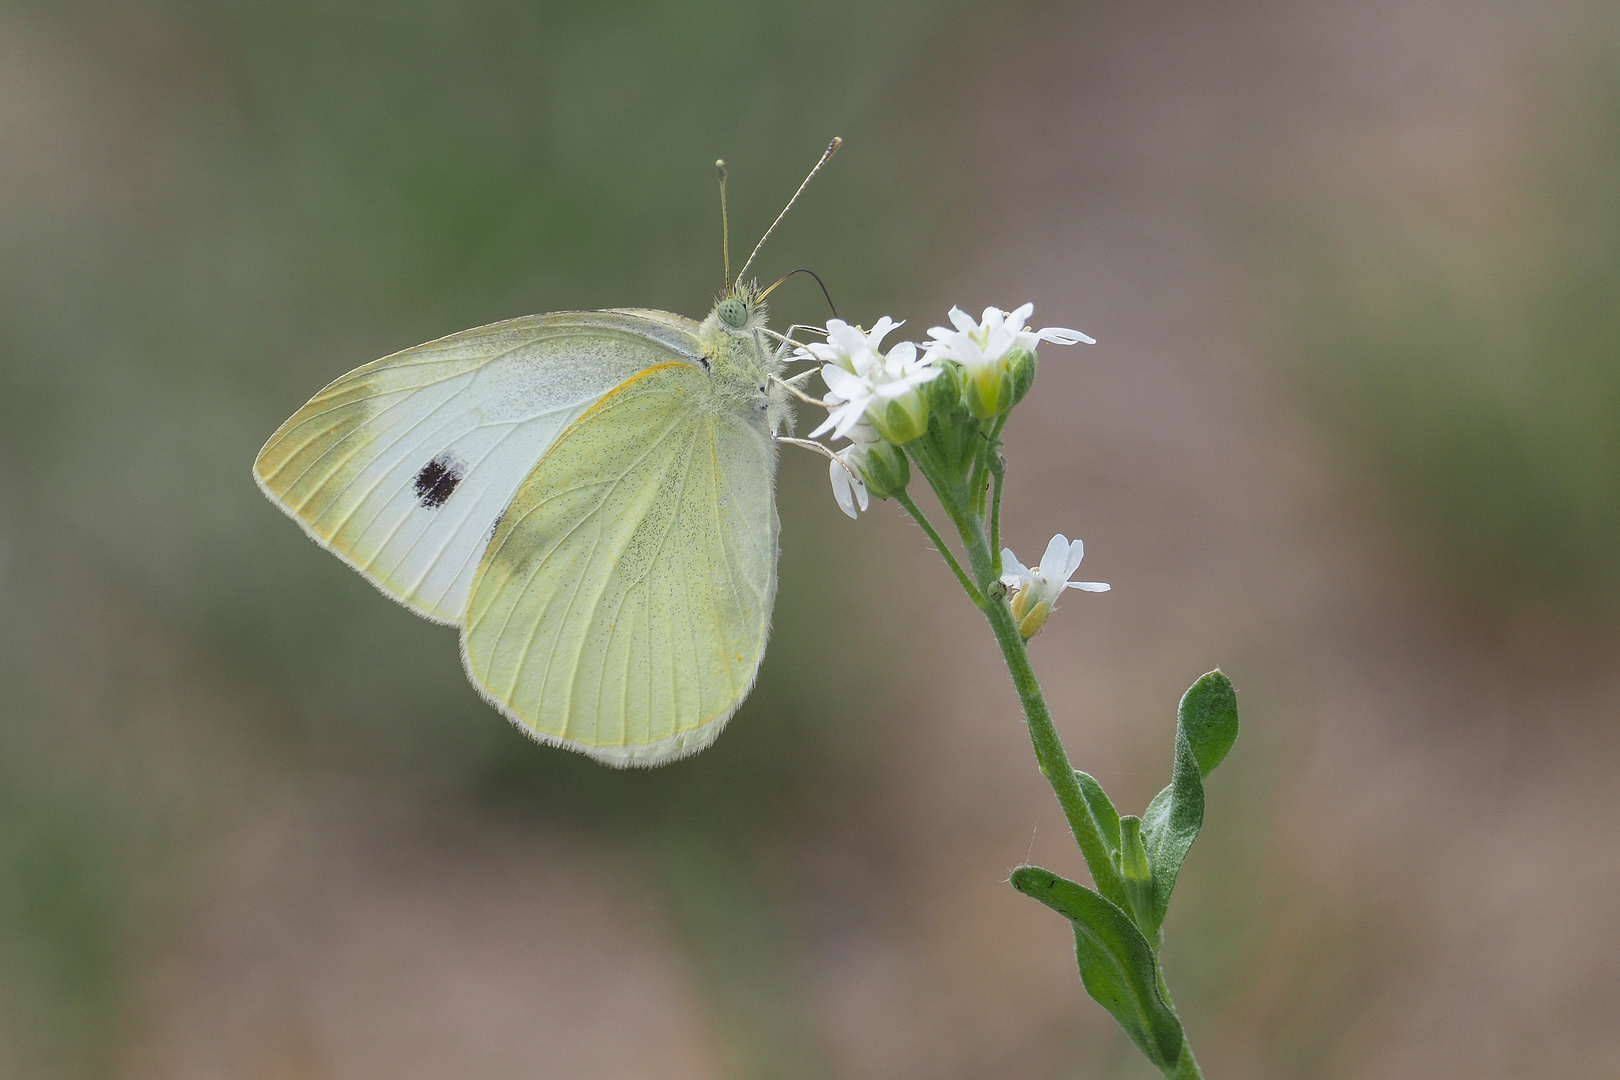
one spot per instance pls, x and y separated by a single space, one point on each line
622 608
402 467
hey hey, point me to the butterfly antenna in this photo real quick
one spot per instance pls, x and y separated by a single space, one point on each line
725 223
832 148
812 273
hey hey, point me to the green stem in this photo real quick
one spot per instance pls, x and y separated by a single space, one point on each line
998 469
966 509
950 500
1050 755
917 515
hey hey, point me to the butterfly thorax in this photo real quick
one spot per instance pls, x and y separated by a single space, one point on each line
744 363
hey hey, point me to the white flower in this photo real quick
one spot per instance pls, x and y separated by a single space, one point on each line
848 346
848 487
987 343
1036 591
858 376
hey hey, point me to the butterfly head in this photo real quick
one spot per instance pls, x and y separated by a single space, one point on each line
741 310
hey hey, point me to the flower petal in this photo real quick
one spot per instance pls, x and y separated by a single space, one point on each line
843 383
1056 557
844 337
1059 335
849 491
1077 551
962 321
841 420
1090 586
826 425
880 330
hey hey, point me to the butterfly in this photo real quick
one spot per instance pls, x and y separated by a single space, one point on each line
588 495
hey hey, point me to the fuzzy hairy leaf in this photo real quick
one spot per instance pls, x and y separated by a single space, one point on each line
1102 810
1206 728
1117 965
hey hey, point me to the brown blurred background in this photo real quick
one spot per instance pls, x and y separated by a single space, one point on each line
1352 433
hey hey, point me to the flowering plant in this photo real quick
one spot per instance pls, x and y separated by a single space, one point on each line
941 411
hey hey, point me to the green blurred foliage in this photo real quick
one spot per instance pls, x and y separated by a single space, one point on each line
220 205
1477 363
245 200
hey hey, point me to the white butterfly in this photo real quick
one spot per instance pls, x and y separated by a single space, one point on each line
589 496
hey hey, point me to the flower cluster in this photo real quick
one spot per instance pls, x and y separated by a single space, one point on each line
940 410
866 384
944 406
878 400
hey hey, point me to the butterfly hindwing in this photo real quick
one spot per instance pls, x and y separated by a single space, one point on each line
623 605
403 466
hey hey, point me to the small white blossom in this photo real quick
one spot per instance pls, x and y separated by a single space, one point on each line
858 375
987 342
1036 591
848 346
848 487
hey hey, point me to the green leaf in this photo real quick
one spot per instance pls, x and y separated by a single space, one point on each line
1206 728
1209 716
1137 874
1102 811
1117 965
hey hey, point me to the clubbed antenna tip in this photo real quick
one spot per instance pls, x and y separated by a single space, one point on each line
832 148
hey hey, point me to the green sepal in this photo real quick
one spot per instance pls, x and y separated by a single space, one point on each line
1021 365
988 392
1117 965
901 419
954 441
884 469
945 391
1137 874
1206 728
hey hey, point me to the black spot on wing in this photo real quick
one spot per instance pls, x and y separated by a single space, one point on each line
438 480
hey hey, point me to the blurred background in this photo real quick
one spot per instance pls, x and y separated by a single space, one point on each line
1352 432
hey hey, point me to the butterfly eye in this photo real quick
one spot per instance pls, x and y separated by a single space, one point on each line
733 313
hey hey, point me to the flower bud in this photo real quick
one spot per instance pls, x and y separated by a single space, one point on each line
945 392
900 419
1021 364
885 469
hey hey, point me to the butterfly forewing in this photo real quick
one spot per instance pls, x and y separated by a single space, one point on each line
403 467
623 605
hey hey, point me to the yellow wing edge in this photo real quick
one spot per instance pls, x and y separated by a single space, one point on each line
326 545
602 402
